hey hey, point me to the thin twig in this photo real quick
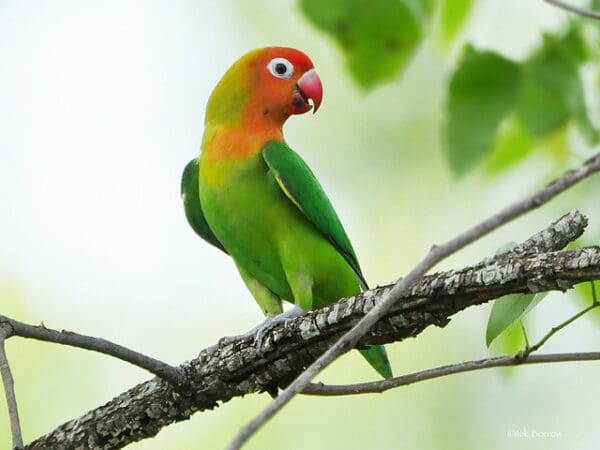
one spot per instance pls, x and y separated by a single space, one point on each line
486 363
9 391
169 373
574 9
435 255
528 350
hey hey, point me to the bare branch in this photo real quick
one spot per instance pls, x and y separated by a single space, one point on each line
574 9
469 366
9 390
169 373
402 287
237 367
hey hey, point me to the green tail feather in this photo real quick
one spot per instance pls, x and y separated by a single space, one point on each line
377 357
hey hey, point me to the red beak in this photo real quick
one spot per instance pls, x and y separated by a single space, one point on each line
310 87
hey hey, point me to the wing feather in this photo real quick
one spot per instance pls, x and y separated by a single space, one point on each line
190 194
300 186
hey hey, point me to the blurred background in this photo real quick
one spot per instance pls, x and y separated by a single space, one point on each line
101 107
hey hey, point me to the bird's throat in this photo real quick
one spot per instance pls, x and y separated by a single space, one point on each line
229 143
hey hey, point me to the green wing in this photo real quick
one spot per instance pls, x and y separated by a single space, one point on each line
190 193
304 191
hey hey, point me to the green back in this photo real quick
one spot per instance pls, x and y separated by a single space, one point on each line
302 188
190 193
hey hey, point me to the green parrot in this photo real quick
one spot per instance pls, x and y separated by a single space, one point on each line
254 198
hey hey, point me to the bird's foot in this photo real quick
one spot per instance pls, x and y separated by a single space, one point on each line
226 340
260 331
271 322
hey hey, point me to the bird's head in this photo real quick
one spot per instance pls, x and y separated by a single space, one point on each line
266 85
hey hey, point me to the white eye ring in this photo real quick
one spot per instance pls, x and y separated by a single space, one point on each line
280 68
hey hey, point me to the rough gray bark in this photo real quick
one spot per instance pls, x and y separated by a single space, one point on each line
235 368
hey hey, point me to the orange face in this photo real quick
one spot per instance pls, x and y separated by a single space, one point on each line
250 104
283 81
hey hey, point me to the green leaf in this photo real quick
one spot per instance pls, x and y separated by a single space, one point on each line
378 37
482 91
557 145
548 80
552 92
512 340
574 45
507 310
512 145
452 16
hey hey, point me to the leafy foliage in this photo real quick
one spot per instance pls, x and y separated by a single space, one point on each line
496 107
552 91
507 311
378 37
452 16
545 97
481 92
513 143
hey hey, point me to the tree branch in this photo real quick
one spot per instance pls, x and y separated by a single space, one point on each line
41 333
9 390
236 368
522 357
377 387
574 9
402 287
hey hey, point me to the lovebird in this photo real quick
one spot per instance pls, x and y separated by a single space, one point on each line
254 198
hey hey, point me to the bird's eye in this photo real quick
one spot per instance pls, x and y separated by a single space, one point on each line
280 68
